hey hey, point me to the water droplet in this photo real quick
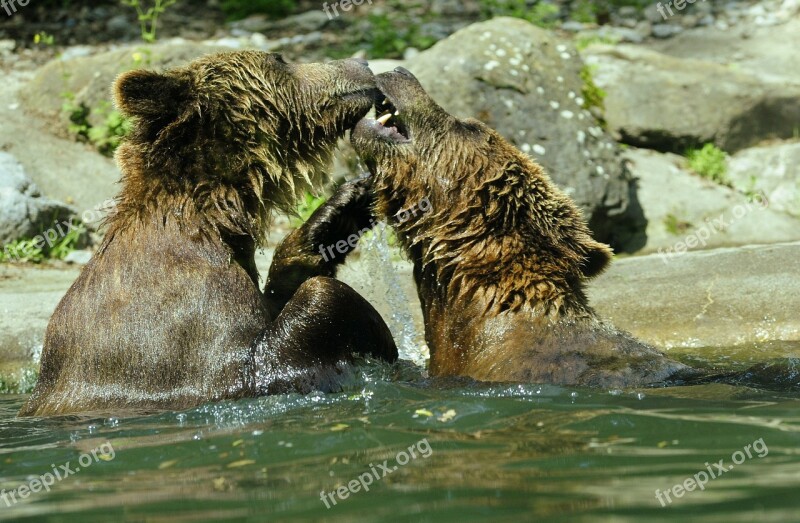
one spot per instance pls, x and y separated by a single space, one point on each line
92 429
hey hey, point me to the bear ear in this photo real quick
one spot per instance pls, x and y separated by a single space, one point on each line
597 258
151 95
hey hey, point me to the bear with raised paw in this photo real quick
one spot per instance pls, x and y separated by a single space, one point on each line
168 314
502 257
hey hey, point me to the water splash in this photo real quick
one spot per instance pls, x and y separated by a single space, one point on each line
376 255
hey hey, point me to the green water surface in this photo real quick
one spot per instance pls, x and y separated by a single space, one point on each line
494 453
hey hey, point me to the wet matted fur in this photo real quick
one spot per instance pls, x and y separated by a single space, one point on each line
168 313
501 260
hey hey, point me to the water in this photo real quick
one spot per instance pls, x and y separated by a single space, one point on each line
497 453
377 258
482 452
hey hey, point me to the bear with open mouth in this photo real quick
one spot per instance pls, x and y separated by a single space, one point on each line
501 259
168 314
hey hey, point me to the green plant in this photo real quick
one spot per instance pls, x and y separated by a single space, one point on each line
675 225
35 250
593 96
584 41
43 38
709 162
77 114
306 208
66 243
107 137
751 191
238 9
584 11
25 250
387 40
542 14
148 17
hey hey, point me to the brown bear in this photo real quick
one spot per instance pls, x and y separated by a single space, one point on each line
168 314
501 259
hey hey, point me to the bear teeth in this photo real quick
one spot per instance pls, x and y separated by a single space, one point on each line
385 118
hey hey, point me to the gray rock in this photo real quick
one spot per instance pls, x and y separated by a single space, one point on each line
525 83
689 21
687 213
24 213
703 8
252 24
769 52
307 22
773 170
623 34
63 169
572 26
410 53
717 298
644 28
666 30
454 8
300 23
91 77
652 14
660 102
120 26
706 20
28 298
7 47
78 257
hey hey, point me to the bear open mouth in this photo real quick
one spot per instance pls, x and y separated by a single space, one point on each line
390 124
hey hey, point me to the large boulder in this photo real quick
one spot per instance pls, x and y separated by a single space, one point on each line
686 212
669 104
716 298
773 170
766 51
62 169
24 213
526 83
85 81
